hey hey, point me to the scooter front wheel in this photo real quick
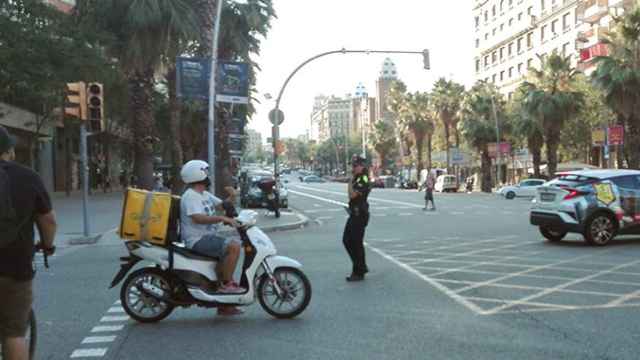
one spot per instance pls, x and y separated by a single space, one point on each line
295 296
141 295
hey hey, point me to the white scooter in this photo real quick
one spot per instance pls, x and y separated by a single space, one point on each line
182 277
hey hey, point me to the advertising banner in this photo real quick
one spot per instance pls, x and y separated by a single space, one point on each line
232 83
598 137
505 149
616 135
192 78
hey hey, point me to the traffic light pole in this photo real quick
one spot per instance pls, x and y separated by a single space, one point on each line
276 130
85 177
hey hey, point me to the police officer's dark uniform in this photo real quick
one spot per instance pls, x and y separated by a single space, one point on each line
353 237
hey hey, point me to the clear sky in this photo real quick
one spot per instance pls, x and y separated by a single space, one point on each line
305 28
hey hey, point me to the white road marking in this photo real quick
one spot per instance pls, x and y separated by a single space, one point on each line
80 353
405 214
99 339
114 318
325 218
337 193
107 328
624 298
318 198
114 310
317 205
321 211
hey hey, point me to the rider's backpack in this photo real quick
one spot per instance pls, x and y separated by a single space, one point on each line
9 225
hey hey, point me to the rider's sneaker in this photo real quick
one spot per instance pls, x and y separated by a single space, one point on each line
231 288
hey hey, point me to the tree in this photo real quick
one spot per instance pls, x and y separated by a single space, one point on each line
447 97
551 99
478 124
528 128
140 32
383 141
618 76
416 117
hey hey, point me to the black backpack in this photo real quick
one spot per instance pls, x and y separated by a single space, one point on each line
9 225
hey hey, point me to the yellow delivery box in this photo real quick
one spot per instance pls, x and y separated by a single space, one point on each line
146 216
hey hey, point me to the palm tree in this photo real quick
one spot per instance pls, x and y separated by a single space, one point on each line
140 32
383 141
529 129
415 116
618 76
397 100
447 97
550 99
477 125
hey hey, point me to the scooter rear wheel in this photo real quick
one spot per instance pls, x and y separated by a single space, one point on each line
296 293
136 298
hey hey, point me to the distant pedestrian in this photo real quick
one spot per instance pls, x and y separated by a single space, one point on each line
353 236
429 184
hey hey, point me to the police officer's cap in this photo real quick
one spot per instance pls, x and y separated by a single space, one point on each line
358 160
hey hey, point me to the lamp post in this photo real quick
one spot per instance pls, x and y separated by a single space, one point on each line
498 150
212 97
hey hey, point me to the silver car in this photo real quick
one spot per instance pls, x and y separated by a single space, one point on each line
599 204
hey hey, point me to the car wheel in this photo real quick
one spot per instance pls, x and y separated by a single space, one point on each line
552 235
600 229
510 195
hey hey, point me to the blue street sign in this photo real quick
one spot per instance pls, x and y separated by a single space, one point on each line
192 78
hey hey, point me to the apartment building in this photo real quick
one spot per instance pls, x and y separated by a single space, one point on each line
511 36
597 18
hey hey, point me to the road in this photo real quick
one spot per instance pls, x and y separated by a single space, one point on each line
472 280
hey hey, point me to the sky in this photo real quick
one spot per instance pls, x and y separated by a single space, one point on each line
305 28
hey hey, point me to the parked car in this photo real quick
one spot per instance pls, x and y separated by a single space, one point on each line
446 183
313 179
526 188
599 204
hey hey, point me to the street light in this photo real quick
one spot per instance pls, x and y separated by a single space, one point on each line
498 150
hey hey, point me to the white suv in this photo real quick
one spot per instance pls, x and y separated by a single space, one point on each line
526 188
599 204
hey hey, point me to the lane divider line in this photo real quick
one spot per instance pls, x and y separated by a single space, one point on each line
99 339
84 353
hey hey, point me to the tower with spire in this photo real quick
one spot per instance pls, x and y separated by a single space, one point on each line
388 74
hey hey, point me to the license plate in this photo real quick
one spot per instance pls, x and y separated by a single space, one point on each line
546 197
271 196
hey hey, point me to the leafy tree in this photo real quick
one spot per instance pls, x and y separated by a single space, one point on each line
618 76
478 124
527 128
550 98
447 97
383 141
416 117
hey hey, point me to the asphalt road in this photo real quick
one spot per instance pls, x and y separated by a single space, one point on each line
472 280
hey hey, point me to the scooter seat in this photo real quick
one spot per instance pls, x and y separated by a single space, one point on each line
188 253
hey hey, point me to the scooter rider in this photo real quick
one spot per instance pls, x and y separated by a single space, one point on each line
199 225
353 237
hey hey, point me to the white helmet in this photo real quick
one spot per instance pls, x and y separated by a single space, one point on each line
194 171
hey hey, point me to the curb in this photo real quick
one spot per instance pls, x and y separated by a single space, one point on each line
302 222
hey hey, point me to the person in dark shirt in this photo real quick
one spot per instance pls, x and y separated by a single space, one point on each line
353 236
32 205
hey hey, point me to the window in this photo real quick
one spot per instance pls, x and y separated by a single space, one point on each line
501 26
565 49
519 45
542 5
502 53
510 21
477 65
486 36
494 32
486 61
510 3
530 40
502 75
510 72
565 21
530 10
477 21
520 16
501 5
520 66
627 182
486 16
529 63
543 29
510 49
494 57
554 26
493 10
493 78
477 43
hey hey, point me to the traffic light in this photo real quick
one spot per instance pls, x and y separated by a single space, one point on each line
425 59
75 103
95 104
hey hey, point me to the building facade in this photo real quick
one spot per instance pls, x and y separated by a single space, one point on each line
254 141
511 36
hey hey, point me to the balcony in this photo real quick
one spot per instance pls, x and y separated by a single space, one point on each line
621 3
594 13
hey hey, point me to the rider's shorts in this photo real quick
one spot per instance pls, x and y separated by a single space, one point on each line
212 245
15 306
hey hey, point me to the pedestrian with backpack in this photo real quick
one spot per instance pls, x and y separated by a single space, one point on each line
24 201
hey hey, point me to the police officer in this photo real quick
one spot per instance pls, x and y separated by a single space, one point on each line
353 237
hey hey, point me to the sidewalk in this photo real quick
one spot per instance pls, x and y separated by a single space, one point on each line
105 211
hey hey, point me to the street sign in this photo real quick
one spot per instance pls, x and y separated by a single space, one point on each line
505 148
616 135
599 137
235 127
192 78
232 85
276 117
235 145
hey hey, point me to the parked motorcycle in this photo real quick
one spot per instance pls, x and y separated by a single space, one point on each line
180 277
